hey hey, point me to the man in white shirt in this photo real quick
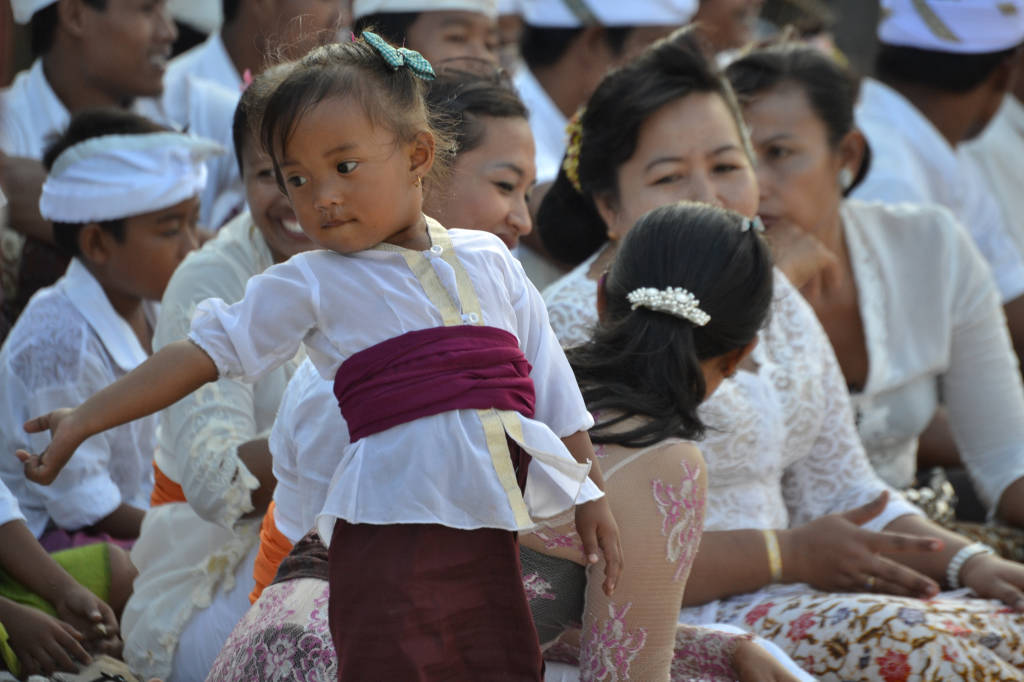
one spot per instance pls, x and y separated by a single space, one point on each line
943 70
252 33
567 47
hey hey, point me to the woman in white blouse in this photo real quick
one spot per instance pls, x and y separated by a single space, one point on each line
906 299
195 558
800 534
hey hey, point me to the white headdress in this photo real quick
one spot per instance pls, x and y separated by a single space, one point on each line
576 13
959 26
117 176
24 9
360 8
675 301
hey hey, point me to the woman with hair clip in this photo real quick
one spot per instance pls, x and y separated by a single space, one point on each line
801 536
680 310
909 304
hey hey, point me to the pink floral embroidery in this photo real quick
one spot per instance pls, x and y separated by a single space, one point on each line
759 612
799 627
552 540
704 655
536 587
893 666
682 511
599 451
609 650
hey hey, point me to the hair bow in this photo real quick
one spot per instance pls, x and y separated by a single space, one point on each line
397 57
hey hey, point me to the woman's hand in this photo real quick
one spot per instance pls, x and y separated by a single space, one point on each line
752 663
991 577
92 617
43 468
43 644
803 258
597 529
835 554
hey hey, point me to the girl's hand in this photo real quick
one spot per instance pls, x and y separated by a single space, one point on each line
835 554
752 663
597 529
43 644
43 468
991 577
92 617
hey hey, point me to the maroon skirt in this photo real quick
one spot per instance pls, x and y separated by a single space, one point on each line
427 602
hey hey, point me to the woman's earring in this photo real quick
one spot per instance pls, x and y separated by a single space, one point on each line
845 179
419 181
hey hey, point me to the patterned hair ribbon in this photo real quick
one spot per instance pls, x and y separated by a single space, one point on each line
397 57
571 162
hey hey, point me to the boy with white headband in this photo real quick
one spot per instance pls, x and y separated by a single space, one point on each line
943 69
439 29
122 193
567 47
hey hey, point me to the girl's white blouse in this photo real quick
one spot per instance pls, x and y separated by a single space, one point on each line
935 331
435 469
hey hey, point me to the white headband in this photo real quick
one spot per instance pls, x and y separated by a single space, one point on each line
117 176
675 301
958 26
24 9
360 8
577 13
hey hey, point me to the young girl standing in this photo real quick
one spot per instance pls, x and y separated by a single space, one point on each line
446 371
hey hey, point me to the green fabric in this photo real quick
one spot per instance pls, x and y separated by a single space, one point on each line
89 566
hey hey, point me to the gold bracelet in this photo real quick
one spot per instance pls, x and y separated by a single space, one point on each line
771 545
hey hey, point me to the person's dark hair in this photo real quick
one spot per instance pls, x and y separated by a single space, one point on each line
831 89
392 98
646 363
86 125
43 26
229 8
669 70
542 47
391 26
459 98
245 127
942 71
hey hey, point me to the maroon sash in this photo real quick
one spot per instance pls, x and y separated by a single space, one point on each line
430 371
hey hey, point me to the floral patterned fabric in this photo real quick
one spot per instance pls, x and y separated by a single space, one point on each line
283 638
879 637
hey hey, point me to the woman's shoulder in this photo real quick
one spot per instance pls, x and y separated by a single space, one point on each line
663 459
915 229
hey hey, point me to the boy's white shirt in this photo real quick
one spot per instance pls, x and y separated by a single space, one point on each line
436 469
68 344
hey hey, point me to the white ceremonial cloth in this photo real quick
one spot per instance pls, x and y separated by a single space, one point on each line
441 471
200 14
207 61
934 326
198 439
303 431
560 13
912 162
547 123
9 510
68 344
958 26
24 9
998 155
31 113
360 8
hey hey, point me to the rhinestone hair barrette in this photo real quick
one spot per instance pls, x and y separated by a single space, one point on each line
675 301
755 224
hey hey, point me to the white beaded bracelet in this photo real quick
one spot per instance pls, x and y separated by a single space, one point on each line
961 558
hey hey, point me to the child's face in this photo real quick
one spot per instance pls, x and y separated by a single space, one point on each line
154 244
270 210
351 185
490 184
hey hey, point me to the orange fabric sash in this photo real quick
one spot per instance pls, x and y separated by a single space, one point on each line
165 491
274 547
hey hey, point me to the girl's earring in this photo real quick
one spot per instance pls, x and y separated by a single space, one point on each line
845 179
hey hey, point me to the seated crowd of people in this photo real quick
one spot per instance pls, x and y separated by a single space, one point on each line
511 340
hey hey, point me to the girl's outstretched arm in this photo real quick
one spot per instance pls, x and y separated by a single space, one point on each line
166 377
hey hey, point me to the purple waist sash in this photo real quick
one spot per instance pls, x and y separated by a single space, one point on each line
430 371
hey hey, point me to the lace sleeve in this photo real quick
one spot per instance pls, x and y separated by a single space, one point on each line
834 474
658 501
200 434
